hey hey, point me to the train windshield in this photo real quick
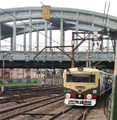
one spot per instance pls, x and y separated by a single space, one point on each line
80 78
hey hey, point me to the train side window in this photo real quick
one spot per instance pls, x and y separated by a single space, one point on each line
69 78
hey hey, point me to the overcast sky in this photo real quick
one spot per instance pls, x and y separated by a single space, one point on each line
93 5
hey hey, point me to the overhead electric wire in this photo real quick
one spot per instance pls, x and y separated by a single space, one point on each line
102 24
30 25
107 14
33 27
26 24
104 14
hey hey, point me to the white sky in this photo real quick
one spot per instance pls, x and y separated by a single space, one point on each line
93 5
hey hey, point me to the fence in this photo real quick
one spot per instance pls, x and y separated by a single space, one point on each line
48 81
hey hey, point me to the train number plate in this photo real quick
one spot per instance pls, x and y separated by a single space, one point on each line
79 102
83 102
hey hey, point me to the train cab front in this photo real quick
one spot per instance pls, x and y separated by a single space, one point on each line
80 100
80 87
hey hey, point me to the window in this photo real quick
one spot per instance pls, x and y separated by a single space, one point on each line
80 78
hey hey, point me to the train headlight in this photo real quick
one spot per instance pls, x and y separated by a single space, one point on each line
89 96
68 95
79 96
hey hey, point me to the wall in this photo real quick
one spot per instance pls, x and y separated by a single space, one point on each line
18 73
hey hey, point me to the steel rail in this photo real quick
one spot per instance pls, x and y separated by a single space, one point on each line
18 112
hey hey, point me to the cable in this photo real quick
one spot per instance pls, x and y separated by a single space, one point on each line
107 14
31 26
28 25
104 14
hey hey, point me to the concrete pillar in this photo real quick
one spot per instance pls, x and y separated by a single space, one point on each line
108 42
11 43
37 40
14 33
30 35
108 45
89 51
45 34
61 32
77 31
87 60
89 42
50 37
92 36
92 46
63 38
24 44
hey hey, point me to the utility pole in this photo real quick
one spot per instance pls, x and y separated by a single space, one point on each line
3 64
87 63
72 59
38 76
3 69
72 64
89 58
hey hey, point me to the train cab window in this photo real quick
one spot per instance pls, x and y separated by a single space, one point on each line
80 78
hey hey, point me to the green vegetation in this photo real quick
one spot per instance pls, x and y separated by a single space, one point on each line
54 74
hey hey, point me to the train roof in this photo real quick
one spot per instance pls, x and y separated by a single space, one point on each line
84 69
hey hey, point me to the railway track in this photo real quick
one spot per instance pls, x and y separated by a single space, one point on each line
18 96
25 107
15 90
67 113
28 107
72 113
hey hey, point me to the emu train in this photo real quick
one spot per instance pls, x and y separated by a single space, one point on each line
83 86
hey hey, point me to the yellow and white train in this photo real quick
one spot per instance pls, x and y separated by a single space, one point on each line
83 86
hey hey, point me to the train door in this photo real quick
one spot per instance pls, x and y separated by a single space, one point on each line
102 83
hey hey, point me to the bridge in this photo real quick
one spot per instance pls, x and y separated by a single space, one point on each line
24 21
